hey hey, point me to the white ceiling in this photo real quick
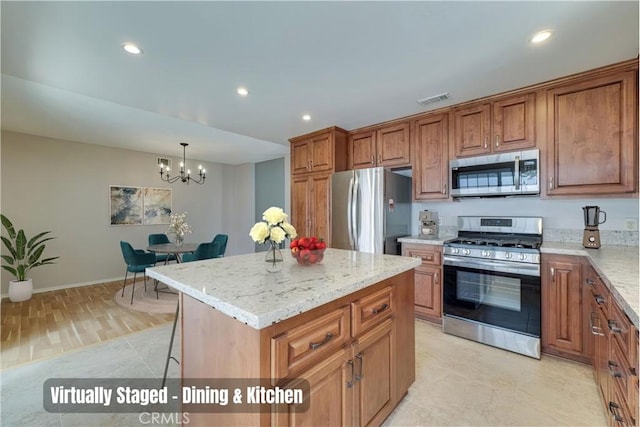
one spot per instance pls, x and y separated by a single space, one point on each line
350 64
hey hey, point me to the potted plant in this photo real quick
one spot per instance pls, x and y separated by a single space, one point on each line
24 255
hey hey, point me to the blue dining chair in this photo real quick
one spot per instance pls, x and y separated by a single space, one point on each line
137 261
158 239
203 251
221 239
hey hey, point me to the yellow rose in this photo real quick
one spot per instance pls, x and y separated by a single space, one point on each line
274 215
259 232
289 229
277 234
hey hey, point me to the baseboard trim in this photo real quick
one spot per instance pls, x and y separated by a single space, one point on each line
73 285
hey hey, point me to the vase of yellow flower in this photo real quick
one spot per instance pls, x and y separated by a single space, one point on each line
273 230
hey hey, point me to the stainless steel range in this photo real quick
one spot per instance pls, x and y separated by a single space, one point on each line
491 291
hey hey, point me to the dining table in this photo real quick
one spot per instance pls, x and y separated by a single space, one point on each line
172 248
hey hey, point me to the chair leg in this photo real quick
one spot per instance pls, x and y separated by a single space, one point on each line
125 281
145 282
134 287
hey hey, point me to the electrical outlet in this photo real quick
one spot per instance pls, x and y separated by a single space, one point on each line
631 224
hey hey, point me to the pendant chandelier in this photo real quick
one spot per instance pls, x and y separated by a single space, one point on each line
184 176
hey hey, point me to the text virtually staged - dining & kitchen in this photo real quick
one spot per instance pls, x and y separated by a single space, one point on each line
263 216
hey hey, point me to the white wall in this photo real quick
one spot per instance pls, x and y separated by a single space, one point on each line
557 214
63 186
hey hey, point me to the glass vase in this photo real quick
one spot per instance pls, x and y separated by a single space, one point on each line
273 260
179 240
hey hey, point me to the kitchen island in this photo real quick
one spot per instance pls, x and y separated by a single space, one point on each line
345 326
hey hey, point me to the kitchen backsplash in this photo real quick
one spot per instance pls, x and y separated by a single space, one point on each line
562 219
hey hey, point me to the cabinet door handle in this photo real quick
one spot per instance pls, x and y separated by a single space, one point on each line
382 308
379 158
486 142
594 329
553 274
359 375
373 160
550 183
315 345
436 278
497 140
350 383
444 189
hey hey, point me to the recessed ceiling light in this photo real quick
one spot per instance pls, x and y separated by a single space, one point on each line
242 91
306 117
541 36
132 48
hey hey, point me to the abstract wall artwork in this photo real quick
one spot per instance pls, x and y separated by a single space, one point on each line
125 205
157 206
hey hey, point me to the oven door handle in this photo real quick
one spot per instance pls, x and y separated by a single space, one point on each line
494 265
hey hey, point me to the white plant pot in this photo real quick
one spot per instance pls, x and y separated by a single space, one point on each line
20 291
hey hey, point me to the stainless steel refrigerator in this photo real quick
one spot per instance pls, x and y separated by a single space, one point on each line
370 209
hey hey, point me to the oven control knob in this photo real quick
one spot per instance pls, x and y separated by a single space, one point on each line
455 250
466 251
522 257
507 255
486 253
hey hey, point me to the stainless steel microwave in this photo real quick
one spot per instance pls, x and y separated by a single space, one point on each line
504 174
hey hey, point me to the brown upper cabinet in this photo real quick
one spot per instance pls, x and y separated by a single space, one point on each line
502 125
591 136
319 151
385 146
431 157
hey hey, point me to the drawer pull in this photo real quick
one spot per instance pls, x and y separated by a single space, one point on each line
591 282
613 408
359 375
382 308
612 365
599 299
315 345
614 328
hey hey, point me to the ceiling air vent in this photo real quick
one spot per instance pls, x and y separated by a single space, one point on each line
433 99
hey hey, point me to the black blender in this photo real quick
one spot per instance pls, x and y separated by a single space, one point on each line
591 236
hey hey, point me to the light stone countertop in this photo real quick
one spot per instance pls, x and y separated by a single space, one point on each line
423 241
240 287
617 266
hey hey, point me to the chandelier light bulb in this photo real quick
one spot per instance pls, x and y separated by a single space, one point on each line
184 177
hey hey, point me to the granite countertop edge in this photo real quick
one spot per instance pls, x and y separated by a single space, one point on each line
278 314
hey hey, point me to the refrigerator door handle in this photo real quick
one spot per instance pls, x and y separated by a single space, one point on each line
355 211
350 212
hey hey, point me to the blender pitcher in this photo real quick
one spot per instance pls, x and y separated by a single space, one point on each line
592 216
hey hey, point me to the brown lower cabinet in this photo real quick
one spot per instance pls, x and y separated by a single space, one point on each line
428 280
357 354
614 344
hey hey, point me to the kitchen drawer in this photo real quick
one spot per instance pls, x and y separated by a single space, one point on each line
371 310
429 254
619 412
306 344
623 374
622 331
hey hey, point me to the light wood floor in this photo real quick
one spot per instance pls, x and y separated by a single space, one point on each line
52 323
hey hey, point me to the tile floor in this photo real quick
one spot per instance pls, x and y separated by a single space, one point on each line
458 383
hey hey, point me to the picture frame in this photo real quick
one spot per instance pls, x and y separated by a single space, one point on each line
157 206
125 205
